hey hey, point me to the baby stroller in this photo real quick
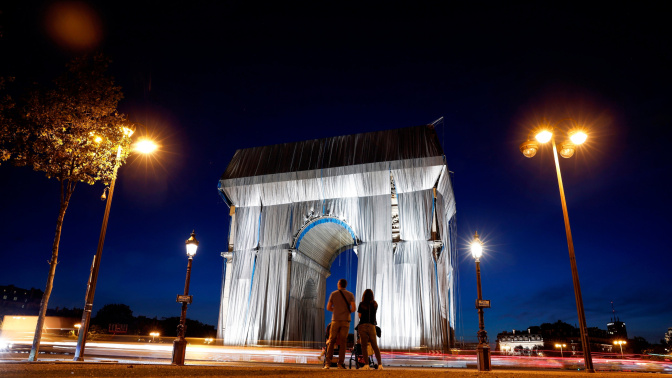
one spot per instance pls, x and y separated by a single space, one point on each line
357 355
323 356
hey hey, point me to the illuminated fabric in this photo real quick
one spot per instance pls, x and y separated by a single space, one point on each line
298 205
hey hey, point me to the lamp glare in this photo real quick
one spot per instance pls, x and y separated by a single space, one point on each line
543 136
578 137
476 247
192 245
145 146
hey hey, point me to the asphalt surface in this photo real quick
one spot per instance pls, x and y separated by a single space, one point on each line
74 369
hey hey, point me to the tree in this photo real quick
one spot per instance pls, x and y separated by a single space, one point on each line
639 345
7 106
114 314
72 132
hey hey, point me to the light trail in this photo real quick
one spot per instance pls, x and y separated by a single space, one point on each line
200 353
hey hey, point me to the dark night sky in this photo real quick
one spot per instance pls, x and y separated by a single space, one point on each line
210 78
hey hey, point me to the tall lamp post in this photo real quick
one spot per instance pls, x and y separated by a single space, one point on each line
620 343
180 344
145 147
483 350
561 346
567 148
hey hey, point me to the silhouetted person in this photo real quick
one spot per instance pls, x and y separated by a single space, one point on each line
341 304
367 327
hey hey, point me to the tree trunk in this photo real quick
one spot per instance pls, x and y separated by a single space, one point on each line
65 200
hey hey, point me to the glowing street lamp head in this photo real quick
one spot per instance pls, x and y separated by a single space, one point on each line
567 149
192 245
543 136
529 148
476 248
577 137
145 146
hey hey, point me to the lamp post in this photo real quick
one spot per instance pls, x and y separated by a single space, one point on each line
180 344
145 147
620 343
483 349
154 334
567 148
561 346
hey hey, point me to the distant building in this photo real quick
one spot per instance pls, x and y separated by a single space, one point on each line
668 335
616 329
17 301
538 339
520 342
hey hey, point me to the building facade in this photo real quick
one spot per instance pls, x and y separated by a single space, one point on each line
17 301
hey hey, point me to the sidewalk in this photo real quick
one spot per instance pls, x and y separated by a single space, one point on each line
76 369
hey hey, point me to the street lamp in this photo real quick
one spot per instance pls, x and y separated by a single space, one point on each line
180 344
142 146
529 149
561 346
483 350
154 334
620 343
77 327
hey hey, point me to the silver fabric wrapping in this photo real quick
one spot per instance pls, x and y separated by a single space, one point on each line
241 285
268 298
276 226
279 190
415 214
247 228
305 313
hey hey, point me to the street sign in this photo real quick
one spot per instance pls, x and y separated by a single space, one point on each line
483 303
184 299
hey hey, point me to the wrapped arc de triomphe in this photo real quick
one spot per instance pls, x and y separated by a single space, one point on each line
295 206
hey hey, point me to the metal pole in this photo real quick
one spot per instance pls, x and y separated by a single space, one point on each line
91 290
481 322
180 344
575 274
483 349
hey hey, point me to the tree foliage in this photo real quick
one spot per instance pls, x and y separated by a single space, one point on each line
115 313
7 125
72 132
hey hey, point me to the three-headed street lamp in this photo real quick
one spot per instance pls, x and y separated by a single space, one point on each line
561 346
143 146
180 344
483 349
620 343
576 137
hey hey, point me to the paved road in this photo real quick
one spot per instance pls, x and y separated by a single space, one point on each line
72 369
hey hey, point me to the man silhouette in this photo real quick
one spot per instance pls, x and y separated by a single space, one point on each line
341 304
